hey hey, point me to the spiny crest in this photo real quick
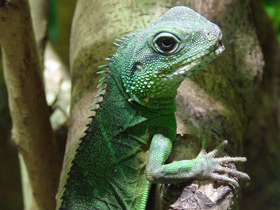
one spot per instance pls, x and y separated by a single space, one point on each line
102 87
100 94
120 43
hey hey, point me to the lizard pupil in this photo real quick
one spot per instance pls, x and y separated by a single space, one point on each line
166 44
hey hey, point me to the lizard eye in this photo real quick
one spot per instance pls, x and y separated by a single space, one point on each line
166 43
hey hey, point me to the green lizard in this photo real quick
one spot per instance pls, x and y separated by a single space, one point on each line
126 144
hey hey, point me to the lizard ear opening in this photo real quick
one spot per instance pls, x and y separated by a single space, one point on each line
137 67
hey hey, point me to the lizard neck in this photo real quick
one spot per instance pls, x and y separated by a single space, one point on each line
116 113
161 102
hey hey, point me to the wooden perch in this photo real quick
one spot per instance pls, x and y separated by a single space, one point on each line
32 131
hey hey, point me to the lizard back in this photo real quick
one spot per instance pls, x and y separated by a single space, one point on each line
108 169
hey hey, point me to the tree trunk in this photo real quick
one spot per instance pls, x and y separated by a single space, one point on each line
31 131
218 100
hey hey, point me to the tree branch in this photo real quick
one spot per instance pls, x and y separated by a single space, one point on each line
40 14
32 131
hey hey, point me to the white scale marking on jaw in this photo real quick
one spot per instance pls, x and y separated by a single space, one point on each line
188 64
206 58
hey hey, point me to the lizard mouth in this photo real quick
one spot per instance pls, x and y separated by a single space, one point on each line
197 62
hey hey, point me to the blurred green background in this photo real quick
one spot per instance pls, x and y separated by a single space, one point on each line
273 10
61 14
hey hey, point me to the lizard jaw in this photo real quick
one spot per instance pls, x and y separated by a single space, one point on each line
197 63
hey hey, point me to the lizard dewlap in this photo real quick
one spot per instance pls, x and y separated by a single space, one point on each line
126 144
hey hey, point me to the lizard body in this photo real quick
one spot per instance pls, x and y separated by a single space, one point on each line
130 137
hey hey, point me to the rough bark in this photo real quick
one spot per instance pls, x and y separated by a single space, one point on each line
39 15
31 127
217 100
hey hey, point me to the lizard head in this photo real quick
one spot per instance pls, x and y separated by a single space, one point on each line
155 60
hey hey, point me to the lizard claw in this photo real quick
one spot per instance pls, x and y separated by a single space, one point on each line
233 172
224 178
218 149
213 168
232 159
